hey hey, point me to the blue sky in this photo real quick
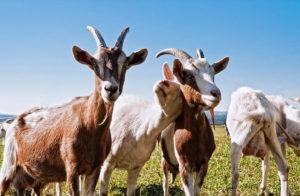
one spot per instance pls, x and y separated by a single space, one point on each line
262 39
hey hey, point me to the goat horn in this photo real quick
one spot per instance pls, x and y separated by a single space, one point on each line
183 56
97 36
119 43
200 54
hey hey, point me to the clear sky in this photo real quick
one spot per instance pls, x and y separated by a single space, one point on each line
262 39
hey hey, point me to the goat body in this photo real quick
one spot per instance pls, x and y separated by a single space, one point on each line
193 147
251 122
51 142
135 127
289 113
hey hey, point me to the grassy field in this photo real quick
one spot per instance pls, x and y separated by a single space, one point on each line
217 181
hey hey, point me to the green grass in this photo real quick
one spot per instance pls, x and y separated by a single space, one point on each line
218 179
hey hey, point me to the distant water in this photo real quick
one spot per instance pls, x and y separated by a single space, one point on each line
220 117
4 117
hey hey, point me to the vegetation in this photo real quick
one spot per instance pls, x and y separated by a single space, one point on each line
218 180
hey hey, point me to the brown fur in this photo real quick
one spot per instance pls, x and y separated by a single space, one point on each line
194 138
193 135
67 141
256 146
194 142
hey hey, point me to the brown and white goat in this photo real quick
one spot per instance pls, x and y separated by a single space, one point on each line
60 143
191 135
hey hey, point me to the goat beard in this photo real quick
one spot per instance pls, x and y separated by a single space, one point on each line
212 116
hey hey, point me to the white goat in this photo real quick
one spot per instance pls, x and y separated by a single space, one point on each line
251 122
289 112
135 127
297 99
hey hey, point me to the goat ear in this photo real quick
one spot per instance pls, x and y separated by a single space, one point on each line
167 73
83 57
177 70
137 57
221 65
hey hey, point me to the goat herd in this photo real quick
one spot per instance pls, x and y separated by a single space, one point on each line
91 136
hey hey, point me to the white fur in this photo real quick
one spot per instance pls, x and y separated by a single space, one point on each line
9 164
105 93
3 128
290 116
250 112
168 135
135 127
290 112
204 75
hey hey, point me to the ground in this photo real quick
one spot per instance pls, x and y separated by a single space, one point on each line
218 179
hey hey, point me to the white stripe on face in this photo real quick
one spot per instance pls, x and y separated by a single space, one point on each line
204 78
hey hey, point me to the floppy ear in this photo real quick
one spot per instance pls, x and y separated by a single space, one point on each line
137 57
221 65
167 73
177 70
83 57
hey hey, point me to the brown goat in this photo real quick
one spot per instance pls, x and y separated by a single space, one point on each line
188 149
60 143
194 145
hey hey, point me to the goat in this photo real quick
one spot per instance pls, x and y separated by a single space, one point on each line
289 120
60 143
187 137
251 122
135 127
297 99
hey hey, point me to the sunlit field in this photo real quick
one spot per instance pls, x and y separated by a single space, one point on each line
217 181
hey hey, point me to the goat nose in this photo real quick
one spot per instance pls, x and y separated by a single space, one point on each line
215 93
111 89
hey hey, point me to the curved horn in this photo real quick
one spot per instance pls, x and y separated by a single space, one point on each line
175 52
97 36
119 43
200 54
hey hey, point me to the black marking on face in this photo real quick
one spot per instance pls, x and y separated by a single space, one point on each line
189 79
